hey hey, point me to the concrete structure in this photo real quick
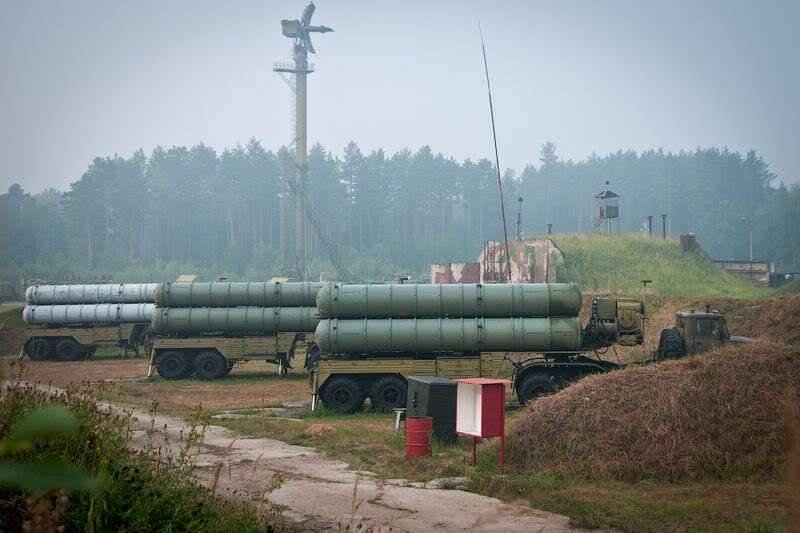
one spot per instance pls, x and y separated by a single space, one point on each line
757 271
532 261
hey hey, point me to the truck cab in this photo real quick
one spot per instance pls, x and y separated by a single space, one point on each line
695 332
701 331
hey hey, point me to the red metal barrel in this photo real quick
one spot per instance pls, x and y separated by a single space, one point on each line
418 436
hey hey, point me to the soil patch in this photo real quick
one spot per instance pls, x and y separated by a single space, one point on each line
11 327
253 385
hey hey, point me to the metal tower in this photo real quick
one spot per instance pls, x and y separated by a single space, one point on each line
295 74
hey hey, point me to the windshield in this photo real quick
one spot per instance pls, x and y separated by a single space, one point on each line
725 333
707 327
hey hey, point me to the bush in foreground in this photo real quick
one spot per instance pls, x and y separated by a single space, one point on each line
133 491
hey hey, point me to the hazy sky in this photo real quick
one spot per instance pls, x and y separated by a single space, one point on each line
85 78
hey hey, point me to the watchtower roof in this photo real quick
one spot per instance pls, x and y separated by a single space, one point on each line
606 194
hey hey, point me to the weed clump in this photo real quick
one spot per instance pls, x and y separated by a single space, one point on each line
716 415
134 490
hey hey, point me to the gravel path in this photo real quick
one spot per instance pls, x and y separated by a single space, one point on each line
319 493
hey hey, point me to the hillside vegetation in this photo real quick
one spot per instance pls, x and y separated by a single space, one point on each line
618 263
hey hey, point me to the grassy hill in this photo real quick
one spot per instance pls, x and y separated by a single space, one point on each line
618 263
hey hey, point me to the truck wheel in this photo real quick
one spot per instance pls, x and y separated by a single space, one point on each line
173 365
210 365
670 344
535 384
387 393
38 349
68 350
343 395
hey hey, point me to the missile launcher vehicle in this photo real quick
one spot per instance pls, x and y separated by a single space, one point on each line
372 356
206 328
530 331
70 322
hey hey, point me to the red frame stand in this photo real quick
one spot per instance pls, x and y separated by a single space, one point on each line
481 412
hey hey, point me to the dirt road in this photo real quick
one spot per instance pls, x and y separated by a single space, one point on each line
321 494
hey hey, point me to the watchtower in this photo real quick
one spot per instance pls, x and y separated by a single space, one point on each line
606 209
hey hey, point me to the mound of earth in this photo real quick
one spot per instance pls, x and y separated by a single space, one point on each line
714 415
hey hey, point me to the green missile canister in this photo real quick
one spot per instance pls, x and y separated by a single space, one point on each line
500 300
233 294
266 320
424 335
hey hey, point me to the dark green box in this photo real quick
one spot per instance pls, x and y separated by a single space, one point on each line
434 397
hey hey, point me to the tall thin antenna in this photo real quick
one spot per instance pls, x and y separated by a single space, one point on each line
496 157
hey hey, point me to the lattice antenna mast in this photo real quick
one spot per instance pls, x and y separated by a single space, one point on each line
300 32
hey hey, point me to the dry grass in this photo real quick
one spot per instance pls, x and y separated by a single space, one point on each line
10 328
250 386
718 415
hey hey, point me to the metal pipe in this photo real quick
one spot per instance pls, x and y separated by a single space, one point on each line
499 300
91 293
420 335
88 314
233 294
265 320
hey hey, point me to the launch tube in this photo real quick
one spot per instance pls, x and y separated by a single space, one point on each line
500 300
449 335
95 293
88 314
266 320
233 294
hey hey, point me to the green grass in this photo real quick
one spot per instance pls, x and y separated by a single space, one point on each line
645 505
793 287
367 441
618 263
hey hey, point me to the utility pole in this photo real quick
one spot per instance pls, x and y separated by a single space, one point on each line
650 226
749 221
519 219
664 227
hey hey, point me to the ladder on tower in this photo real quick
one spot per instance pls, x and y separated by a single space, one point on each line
333 252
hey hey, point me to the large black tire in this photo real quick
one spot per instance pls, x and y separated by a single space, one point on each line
387 393
39 349
68 350
533 384
670 344
210 365
343 395
174 365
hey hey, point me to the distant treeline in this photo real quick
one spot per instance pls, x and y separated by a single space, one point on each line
219 212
